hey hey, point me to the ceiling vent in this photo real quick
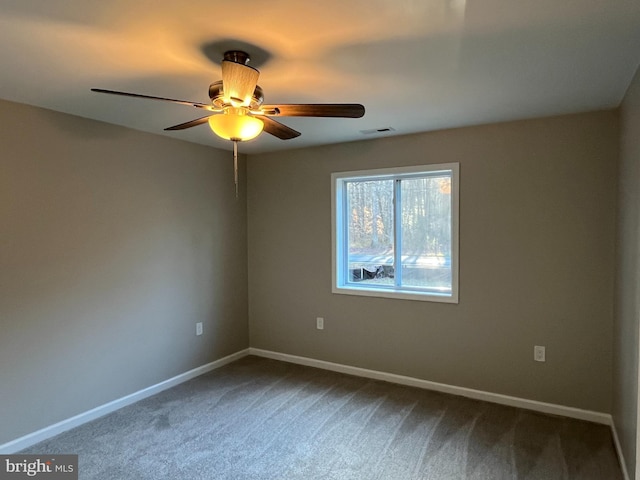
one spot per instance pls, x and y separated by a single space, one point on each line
377 130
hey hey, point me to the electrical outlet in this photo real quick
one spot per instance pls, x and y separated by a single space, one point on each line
199 328
539 354
320 323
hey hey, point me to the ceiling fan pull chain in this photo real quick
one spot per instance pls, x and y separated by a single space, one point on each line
235 165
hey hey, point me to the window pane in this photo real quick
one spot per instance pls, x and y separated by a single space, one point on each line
370 223
426 232
395 232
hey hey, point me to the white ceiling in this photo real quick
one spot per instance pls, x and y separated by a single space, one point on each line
416 65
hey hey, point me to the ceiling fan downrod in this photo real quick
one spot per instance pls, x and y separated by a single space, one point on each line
237 56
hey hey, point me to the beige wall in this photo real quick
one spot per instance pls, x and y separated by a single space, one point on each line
537 229
625 384
113 244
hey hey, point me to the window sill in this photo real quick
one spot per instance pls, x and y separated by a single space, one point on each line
397 294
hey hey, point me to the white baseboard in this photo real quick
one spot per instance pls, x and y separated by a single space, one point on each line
550 408
55 429
616 441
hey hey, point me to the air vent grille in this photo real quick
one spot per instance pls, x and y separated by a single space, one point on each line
377 130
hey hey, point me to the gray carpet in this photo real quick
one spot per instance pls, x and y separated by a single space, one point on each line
263 419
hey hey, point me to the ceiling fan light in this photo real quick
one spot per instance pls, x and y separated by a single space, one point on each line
235 124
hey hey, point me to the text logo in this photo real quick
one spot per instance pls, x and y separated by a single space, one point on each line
46 467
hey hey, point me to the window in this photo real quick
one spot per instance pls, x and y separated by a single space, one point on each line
395 232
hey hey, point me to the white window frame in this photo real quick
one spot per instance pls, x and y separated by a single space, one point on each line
340 285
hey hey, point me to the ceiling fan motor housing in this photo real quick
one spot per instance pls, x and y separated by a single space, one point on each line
216 94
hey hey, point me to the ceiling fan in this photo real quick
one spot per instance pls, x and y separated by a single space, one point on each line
237 111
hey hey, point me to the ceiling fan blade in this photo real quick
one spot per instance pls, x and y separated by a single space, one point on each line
149 97
278 129
192 123
344 110
238 83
